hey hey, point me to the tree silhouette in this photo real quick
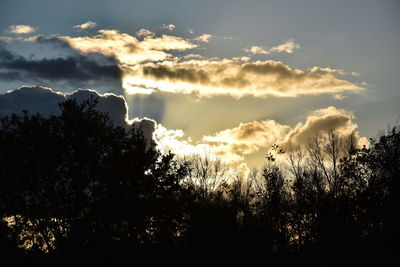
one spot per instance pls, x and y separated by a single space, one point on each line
75 185
75 182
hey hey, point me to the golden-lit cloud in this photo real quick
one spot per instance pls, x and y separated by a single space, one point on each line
145 32
192 56
236 78
257 50
289 46
245 139
127 48
233 145
85 26
21 29
320 122
152 63
205 38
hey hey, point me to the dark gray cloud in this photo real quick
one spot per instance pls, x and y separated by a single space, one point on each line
45 101
33 99
74 69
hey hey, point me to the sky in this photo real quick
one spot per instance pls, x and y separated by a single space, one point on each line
222 78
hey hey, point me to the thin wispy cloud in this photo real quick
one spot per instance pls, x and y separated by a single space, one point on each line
339 97
85 26
288 47
192 56
169 27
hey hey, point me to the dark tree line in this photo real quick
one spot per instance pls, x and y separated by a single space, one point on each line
75 185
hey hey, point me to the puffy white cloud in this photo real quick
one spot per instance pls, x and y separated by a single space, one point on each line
22 29
205 38
85 26
257 50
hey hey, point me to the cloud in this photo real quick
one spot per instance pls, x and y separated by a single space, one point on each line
257 50
246 138
151 64
237 79
287 47
21 29
175 141
320 122
235 144
36 99
190 56
205 38
168 27
115 106
232 145
45 101
85 26
144 32
128 49
339 97
76 69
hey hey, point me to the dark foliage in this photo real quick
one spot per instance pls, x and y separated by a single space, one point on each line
74 186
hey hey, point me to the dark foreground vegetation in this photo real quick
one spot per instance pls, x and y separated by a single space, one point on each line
74 186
